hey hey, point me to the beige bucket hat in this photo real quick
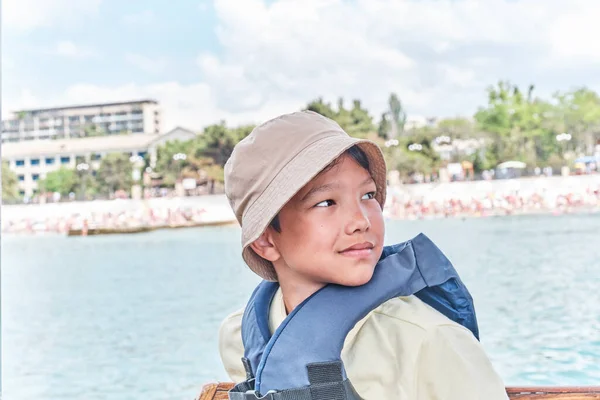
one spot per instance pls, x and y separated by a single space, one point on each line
277 159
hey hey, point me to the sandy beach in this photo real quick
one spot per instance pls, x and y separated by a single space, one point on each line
548 195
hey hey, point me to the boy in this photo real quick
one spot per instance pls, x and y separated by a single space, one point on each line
309 199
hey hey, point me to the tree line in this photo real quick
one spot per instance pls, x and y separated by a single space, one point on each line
513 124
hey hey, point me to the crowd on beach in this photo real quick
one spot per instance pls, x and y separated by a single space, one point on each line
148 217
542 201
401 205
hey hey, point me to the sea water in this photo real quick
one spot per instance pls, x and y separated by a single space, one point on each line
136 317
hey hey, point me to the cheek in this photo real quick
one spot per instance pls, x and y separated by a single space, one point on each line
377 224
297 234
321 232
310 235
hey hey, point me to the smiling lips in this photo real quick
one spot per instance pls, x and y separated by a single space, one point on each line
358 250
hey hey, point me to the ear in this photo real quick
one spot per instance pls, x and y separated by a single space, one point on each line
265 246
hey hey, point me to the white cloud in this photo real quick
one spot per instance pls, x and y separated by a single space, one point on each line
192 106
574 35
291 51
25 99
439 56
25 15
69 49
153 65
145 17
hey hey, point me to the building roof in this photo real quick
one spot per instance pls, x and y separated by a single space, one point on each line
96 144
39 110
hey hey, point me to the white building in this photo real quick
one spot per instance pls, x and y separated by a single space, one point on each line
32 160
71 122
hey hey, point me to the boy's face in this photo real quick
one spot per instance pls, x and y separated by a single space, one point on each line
332 231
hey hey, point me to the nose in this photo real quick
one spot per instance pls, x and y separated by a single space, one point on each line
358 220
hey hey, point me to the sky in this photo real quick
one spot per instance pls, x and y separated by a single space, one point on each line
245 61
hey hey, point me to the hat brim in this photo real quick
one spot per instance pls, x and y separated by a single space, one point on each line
293 177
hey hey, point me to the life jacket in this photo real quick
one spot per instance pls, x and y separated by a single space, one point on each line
302 359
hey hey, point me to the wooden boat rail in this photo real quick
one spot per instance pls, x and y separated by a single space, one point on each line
218 391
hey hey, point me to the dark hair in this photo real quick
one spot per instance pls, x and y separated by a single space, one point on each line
355 152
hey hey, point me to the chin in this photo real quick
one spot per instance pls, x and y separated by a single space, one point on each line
357 278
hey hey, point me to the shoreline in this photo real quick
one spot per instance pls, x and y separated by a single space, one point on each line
459 216
502 214
470 199
117 215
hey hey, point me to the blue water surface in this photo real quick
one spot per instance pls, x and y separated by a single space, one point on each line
136 317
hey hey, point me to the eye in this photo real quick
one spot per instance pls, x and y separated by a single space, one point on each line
369 196
325 203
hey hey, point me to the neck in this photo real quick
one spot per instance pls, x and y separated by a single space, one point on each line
296 289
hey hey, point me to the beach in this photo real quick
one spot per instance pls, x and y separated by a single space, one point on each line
474 199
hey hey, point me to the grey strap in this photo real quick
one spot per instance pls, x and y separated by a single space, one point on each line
325 372
325 391
326 383
248 368
326 380
243 387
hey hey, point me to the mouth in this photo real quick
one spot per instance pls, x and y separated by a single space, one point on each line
359 250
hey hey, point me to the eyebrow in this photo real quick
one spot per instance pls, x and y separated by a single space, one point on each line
329 186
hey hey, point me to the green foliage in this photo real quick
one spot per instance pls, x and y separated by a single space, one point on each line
356 121
514 124
383 128
10 183
523 127
393 120
479 163
211 150
578 112
203 168
217 142
169 168
206 155
114 173
397 115
410 162
63 181
320 107
457 128
397 112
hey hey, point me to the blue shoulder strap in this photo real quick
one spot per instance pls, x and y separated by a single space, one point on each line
314 332
255 324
